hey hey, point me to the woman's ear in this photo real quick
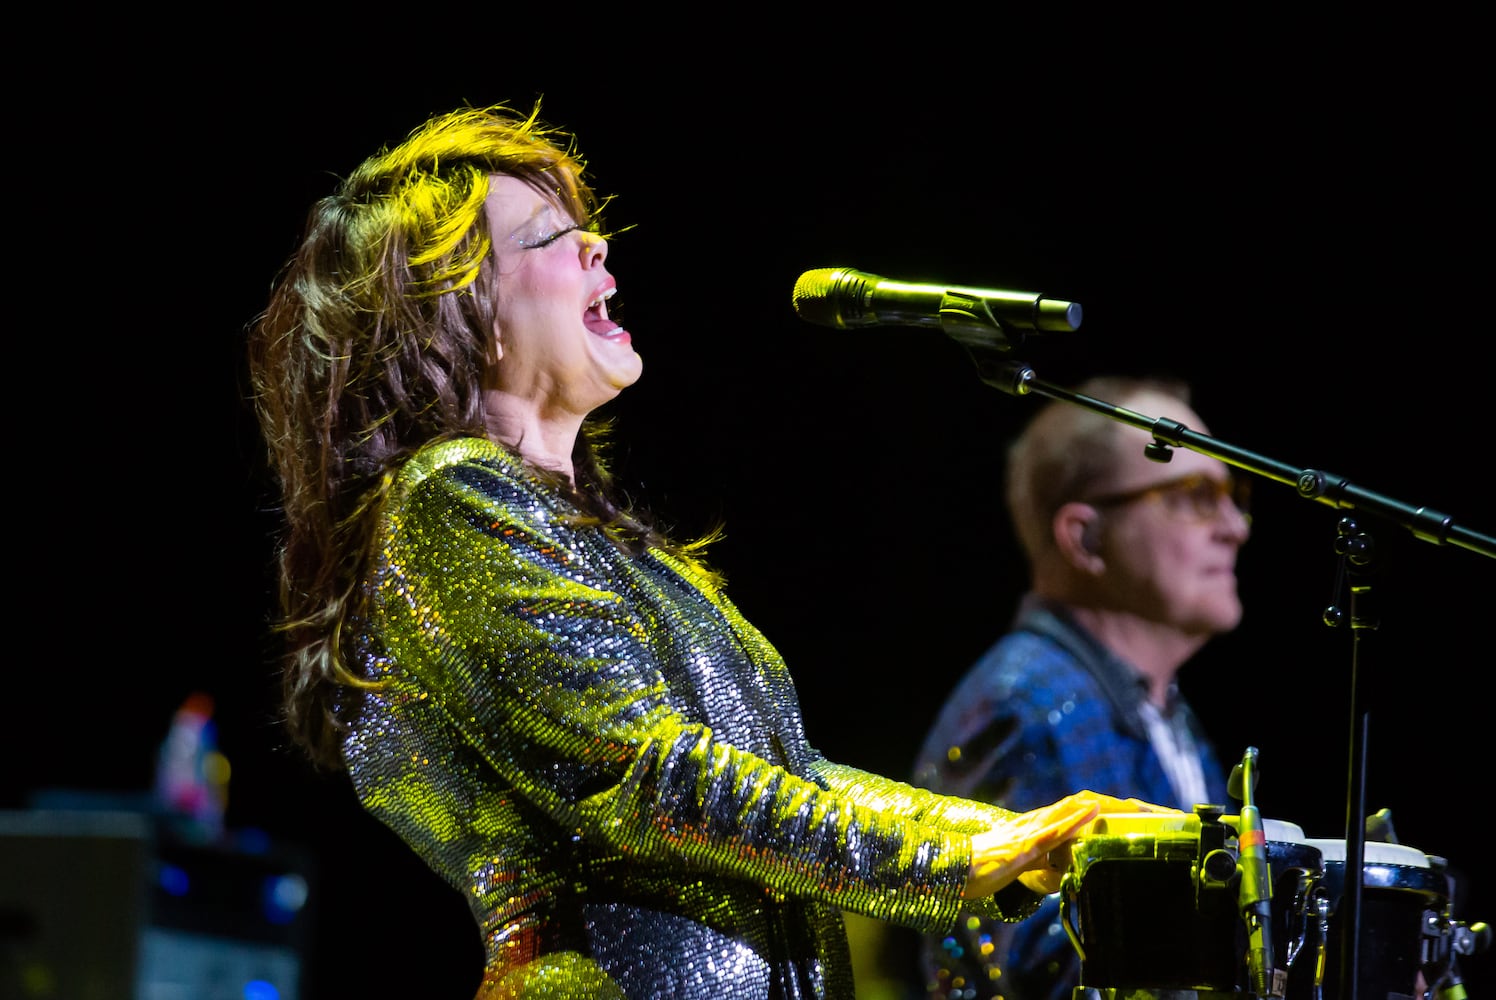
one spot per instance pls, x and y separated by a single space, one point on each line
494 352
1077 534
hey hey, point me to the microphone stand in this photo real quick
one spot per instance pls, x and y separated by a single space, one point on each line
1354 551
1352 546
1324 487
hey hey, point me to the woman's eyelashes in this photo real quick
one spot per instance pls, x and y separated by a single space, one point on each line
543 239
546 241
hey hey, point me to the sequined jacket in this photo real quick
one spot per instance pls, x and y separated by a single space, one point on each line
609 762
1045 711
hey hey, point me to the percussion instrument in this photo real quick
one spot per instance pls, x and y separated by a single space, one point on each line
1151 904
1403 895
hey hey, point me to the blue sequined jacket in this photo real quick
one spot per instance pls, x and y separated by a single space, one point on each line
609 762
1045 711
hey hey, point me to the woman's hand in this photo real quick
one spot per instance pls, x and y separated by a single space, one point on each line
1034 847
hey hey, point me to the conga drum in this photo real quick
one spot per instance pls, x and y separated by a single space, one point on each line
1151 904
1402 896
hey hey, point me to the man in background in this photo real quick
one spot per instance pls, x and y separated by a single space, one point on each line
1131 571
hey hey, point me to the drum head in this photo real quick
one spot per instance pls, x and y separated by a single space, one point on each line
1283 832
1386 866
1142 824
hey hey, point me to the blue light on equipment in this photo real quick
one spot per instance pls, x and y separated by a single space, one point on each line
258 989
173 879
283 897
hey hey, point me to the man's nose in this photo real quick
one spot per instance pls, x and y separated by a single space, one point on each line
1236 522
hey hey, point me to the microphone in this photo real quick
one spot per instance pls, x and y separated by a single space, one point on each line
1255 893
843 299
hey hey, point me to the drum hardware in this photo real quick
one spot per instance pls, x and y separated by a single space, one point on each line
1445 940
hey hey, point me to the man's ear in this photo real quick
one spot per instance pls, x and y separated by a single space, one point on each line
1077 534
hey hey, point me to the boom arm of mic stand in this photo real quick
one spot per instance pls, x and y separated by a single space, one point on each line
1018 379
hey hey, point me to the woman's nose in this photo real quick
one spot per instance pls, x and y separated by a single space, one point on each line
594 249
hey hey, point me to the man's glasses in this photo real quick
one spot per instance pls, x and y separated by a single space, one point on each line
1195 494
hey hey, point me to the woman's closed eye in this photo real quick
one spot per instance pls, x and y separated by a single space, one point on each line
537 243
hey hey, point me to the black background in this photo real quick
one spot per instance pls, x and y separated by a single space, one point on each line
1292 217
